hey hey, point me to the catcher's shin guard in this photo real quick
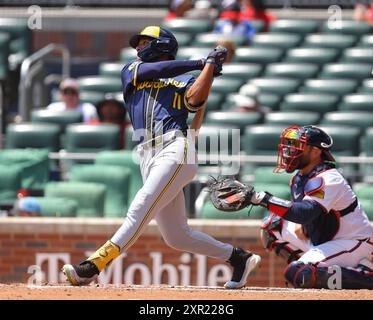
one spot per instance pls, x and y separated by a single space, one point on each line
104 255
309 275
270 242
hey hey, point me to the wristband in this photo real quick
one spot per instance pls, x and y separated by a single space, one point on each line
211 62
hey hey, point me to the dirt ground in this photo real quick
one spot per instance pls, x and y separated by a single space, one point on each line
112 292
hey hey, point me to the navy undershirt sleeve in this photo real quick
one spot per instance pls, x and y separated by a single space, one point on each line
166 69
303 212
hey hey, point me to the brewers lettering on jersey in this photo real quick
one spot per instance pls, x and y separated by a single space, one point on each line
158 95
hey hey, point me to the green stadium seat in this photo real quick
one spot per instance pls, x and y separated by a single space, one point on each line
58 207
117 181
33 135
265 99
311 55
91 96
191 26
183 38
210 39
125 159
363 190
4 54
275 40
291 70
358 119
190 53
100 84
332 86
128 54
226 85
34 164
240 119
242 71
10 181
329 41
89 196
301 27
215 101
367 205
130 141
266 176
314 102
20 42
258 25
356 28
365 41
262 56
280 190
356 71
279 86
301 118
92 138
110 69
367 150
357 102
366 86
358 55
60 118
210 212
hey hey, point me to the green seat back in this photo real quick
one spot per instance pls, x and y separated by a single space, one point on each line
363 190
311 55
297 26
367 205
314 102
357 102
100 84
58 207
210 212
261 56
4 54
92 138
366 41
33 135
359 119
279 86
280 190
215 101
210 39
292 118
366 86
263 175
240 119
33 163
10 181
127 54
276 40
242 71
187 53
258 25
183 38
358 55
110 69
125 159
226 85
338 87
60 118
265 99
117 181
356 28
191 26
91 96
331 41
291 70
89 196
357 71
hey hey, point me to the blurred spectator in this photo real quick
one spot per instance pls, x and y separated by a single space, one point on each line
27 207
177 9
69 96
363 13
112 111
229 22
201 9
231 47
248 100
256 10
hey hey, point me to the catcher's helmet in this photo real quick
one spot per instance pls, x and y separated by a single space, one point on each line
164 42
293 142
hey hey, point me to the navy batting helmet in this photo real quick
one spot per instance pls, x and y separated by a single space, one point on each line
164 42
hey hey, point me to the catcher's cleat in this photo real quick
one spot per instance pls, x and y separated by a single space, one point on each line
82 274
243 263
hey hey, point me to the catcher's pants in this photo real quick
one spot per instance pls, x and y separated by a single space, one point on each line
344 253
166 169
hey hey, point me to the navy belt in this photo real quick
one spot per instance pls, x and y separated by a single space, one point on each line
349 209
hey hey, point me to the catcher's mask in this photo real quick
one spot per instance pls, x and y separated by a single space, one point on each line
293 142
164 42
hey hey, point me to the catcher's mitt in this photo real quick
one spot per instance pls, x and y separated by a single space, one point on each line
230 195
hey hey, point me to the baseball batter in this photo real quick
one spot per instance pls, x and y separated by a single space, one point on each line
324 225
158 95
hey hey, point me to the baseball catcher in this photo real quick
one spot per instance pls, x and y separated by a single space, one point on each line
324 224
